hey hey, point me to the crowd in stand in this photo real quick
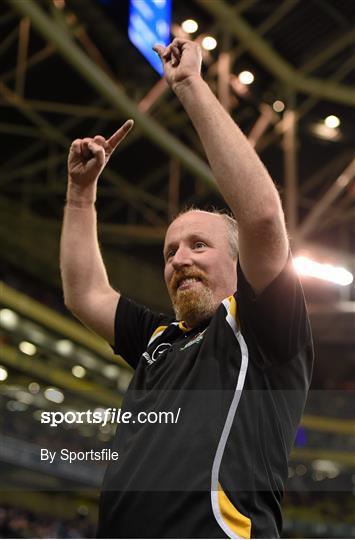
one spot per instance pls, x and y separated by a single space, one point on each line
316 514
20 523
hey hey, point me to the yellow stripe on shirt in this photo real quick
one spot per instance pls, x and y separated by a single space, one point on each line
237 522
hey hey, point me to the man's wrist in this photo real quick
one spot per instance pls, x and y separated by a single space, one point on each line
181 87
80 196
79 204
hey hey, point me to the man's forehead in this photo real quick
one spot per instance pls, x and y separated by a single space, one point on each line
196 221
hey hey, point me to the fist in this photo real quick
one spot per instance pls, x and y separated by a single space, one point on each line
88 157
181 59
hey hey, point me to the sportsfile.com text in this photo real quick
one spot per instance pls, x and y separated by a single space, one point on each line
109 416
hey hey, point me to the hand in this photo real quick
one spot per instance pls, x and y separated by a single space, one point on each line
88 157
181 60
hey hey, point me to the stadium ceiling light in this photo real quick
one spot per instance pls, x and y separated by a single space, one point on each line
16 406
322 131
3 373
189 26
278 106
27 348
8 319
53 394
24 397
34 333
78 371
301 469
328 468
86 359
34 387
100 410
325 272
83 510
64 347
332 121
209 43
246 77
111 372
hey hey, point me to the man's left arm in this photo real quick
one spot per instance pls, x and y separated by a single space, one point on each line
242 178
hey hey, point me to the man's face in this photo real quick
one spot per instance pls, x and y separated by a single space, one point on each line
199 269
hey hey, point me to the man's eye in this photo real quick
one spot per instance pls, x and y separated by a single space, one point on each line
170 253
199 245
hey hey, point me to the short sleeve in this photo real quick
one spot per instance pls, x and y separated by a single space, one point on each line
134 325
277 318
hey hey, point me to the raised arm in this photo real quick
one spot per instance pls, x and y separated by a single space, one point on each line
242 178
87 291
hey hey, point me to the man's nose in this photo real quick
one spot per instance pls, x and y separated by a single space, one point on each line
182 257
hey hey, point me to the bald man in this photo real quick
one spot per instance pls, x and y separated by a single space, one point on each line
227 377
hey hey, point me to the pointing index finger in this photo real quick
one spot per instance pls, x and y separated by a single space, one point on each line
119 135
159 49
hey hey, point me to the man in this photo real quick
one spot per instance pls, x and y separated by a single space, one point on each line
234 367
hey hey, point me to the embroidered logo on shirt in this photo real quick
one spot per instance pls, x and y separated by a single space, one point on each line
196 339
158 351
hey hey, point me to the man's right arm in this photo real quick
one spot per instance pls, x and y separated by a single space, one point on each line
87 291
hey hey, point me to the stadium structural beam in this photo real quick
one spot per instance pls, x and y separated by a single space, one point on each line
31 150
114 95
316 61
32 61
8 40
22 56
67 109
305 107
17 101
135 196
268 23
277 65
312 219
290 164
320 176
17 129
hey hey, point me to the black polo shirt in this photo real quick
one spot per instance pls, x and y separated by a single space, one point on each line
236 386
